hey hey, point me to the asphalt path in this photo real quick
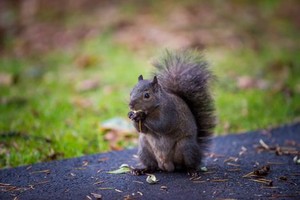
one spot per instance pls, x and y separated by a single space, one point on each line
253 165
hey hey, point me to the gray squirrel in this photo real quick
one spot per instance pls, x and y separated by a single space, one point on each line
174 113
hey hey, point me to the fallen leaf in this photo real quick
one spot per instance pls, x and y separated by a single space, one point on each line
163 187
124 168
151 179
106 188
203 169
140 193
111 136
82 102
6 79
243 151
264 181
140 182
88 197
85 163
117 131
98 182
86 61
46 171
263 171
263 144
72 174
96 196
118 124
296 160
247 82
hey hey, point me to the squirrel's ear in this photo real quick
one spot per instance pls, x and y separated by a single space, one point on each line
155 83
154 80
141 78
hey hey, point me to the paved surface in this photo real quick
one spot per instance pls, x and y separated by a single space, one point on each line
231 158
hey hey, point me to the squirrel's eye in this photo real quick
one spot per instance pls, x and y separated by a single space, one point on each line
146 95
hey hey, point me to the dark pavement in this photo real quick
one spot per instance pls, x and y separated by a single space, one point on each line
229 163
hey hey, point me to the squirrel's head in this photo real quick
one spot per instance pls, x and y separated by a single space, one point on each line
145 95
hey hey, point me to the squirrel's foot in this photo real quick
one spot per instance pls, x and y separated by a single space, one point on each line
138 172
193 173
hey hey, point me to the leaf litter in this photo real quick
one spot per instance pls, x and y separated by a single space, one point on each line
124 168
259 174
118 130
278 150
96 196
46 171
163 187
151 179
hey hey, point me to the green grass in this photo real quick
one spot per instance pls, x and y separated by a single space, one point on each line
40 107
240 109
39 119
42 116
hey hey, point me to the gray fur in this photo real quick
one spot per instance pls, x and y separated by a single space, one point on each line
178 117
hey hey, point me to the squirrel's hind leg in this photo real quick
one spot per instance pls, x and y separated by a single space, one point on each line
148 160
188 152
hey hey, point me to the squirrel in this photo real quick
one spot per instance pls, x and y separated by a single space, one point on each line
174 113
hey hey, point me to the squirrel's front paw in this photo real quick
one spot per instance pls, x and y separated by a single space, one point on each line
137 172
130 115
137 116
193 173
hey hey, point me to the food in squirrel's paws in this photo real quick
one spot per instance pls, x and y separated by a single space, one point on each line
136 111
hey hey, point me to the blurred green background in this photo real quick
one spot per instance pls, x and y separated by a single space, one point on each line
66 67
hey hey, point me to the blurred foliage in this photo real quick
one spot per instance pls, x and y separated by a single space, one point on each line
66 67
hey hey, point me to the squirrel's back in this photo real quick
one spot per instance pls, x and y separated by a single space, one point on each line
186 74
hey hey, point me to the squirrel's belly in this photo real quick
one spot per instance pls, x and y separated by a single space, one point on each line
163 152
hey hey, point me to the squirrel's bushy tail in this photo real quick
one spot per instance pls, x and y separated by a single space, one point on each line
186 74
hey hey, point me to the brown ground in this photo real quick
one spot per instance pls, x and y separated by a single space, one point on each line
37 26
